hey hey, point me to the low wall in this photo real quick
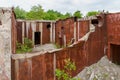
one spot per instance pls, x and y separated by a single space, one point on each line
41 66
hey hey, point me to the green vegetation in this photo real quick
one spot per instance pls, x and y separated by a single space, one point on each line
26 47
92 13
78 14
20 13
66 73
37 12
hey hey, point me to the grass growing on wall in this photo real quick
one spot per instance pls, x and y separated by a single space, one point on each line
26 47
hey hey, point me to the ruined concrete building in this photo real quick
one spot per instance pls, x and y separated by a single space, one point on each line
86 41
39 31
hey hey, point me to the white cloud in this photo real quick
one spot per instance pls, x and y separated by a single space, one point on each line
65 5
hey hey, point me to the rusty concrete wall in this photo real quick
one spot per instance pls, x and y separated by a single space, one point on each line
26 28
30 32
46 33
95 45
64 31
34 68
42 67
5 43
89 48
113 32
84 28
19 32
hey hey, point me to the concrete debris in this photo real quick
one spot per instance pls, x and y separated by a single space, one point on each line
102 70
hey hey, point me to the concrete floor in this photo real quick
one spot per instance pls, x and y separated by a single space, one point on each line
42 48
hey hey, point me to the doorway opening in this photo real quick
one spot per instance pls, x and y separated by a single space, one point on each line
94 21
115 53
37 38
0 23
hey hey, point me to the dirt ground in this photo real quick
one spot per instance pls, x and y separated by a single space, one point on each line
102 70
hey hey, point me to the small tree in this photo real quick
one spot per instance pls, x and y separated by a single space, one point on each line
65 74
20 13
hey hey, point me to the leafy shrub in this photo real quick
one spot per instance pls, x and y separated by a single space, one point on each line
26 47
28 42
65 74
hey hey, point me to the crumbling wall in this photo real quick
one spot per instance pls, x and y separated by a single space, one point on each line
5 43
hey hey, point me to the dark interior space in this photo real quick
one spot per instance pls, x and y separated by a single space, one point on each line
37 38
48 26
115 52
0 23
94 21
75 19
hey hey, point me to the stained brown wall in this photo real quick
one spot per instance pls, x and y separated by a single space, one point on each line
96 45
46 33
42 67
113 30
68 31
83 27
19 32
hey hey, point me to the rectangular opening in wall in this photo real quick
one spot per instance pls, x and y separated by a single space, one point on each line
115 53
0 23
37 38
94 22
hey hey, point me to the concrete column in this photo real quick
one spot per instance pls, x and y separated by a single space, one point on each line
41 28
54 33
78 29
23 28
51 32
33 25
64 39
75 31
27 27
5 44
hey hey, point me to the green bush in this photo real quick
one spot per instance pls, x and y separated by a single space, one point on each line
28 42
65 74
26 47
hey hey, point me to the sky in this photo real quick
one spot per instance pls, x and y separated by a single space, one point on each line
64 6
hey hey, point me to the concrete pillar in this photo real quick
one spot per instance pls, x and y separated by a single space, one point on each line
23 27
33 25
78 29
41 30
51 33
54 32
75 31
5 44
